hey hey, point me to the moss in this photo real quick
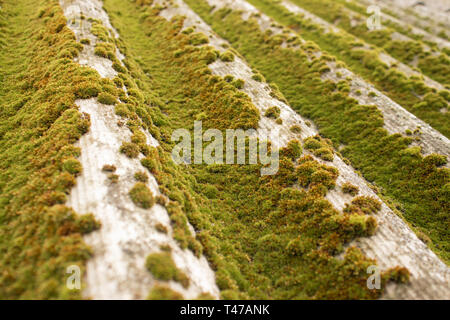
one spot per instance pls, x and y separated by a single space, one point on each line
40 123
227 56
87 223
319 147
205 296
141 176
85 41
161 228
349 188
398 275
258 77
360 128
273 112
159 292
73 166
296 129
122 110
405 90
363 205
113 178
109 168
162 267
106 98
228 78
130 149
249 220
142 196
197 39
238 83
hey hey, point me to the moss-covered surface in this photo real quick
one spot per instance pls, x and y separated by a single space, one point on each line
436 66
162 267
39 122
263 237
160 292
142 196
410 92
417 186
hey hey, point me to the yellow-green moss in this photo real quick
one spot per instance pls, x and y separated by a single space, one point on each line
162 267
142 196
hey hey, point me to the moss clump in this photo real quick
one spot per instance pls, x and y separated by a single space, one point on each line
238 83
87 89
109 168
319 147
130 149
198 38
363 205
349 188
73 166
267 212
106 98
39 125
419 186
398 275
258 77
113 178
273 112
159 292
161 228
296 129
142 196
162 267
205 296
87 223
228 78
227 56
141 176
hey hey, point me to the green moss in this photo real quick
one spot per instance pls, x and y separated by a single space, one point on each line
410 180
197 39
258 77
39 124
130 149
227 56
141 176
273 112
114 178
319 147
106 98
162 267
142 196
296 129
349 188
398 275
87 223
238 83
72 166
161 228
405 90
250 218
109 168
159 292
363 205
